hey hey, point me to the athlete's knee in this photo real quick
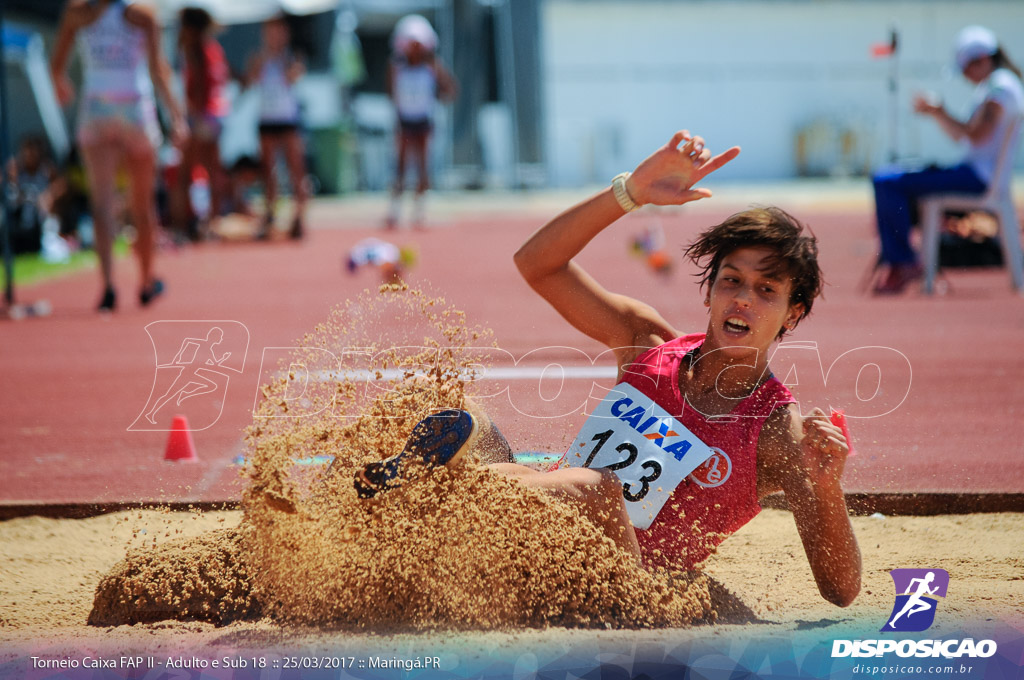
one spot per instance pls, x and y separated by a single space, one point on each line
609 484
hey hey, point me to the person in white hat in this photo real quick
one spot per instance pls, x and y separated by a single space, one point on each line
998 102
416 80
276 69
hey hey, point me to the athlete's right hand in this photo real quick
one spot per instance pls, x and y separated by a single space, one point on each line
64 89
667 176
179 130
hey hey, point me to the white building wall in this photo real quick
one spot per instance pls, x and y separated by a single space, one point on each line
621 76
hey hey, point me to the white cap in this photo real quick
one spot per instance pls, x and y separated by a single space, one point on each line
413 28
974 42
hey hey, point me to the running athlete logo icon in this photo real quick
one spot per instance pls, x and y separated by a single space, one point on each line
916 593
193 359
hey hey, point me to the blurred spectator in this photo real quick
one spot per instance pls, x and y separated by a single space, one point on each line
117 123
998 103
29 176
206 74
276 69
244 174
69 194
416 80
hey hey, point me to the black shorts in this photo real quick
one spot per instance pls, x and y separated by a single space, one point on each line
416 128
278 129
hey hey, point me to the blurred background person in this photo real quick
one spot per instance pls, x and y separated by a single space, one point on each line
30 174
997 105
117 121
417 79
206 74
276 69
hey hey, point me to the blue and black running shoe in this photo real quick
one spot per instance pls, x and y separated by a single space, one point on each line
439 439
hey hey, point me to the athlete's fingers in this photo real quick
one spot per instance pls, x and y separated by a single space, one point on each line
695 195
718 161
678 137
815 416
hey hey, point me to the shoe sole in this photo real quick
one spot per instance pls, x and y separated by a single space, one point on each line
440 439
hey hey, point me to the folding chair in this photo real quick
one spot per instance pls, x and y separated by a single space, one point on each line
997 200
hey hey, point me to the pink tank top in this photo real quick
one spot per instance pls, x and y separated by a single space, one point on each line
720 496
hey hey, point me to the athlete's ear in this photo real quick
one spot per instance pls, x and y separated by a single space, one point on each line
793 316
707 300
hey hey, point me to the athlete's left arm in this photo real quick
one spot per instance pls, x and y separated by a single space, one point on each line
296 69
805 458
977 130
159 69
447 86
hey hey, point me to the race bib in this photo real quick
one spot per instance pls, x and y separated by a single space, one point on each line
648 449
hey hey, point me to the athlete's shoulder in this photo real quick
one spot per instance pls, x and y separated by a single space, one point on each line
141 15
79 12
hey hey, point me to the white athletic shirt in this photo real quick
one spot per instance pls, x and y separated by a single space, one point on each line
415 91
1004 87
114 58
278 103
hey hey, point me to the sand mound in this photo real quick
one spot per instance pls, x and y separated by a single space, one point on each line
205 578
458 548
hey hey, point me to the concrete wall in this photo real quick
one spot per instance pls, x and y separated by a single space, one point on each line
621 76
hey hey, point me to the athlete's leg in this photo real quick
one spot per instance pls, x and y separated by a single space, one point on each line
180 209
101 156
418 148
141 160
420 144
294 154
597 493
491 445
395 204
403 158
207 141
269 144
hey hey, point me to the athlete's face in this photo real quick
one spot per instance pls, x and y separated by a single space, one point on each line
979 69
749 302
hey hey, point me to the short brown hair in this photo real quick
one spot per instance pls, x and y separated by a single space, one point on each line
796 253
196 17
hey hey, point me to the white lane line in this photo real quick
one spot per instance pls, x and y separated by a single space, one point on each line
551 371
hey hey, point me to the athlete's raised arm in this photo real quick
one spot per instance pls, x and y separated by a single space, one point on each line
666 177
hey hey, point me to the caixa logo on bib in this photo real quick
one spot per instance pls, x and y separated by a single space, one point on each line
913 611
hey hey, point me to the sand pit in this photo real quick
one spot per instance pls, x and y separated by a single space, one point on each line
52 568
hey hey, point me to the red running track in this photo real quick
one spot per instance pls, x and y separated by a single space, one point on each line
74 383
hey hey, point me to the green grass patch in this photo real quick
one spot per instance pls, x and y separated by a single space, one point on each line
31 268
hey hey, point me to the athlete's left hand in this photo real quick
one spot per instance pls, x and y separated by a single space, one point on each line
824 449
667 176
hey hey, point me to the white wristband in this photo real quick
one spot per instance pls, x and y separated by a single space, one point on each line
626 201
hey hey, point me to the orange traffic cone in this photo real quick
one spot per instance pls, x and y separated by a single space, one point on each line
179 442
